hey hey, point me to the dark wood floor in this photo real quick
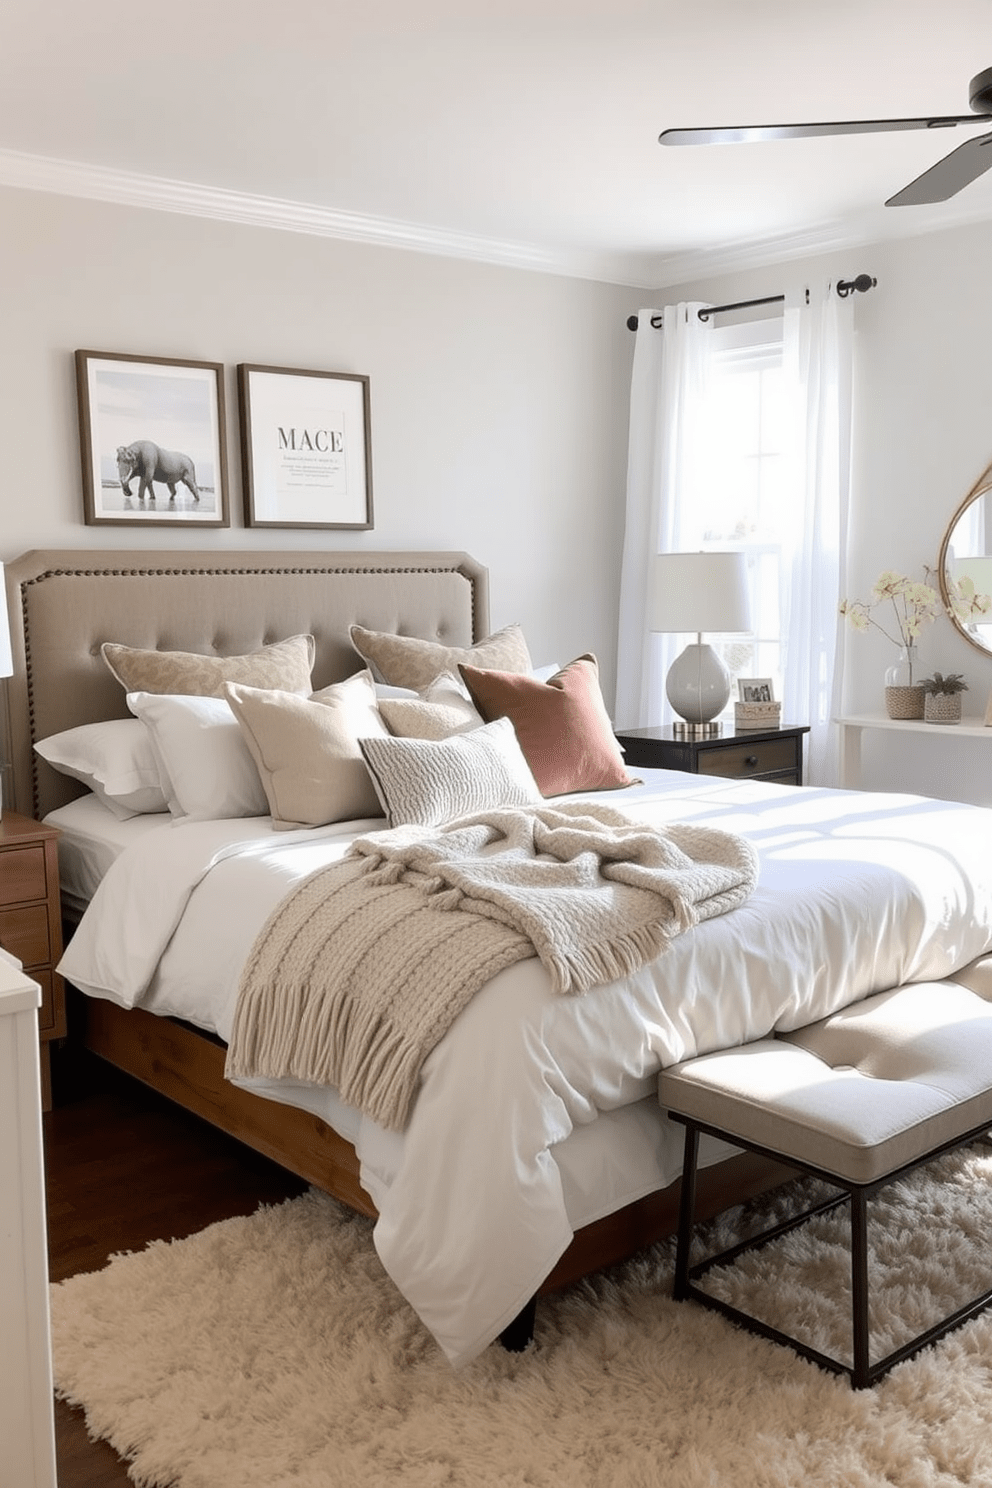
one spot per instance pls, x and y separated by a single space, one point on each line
124 1167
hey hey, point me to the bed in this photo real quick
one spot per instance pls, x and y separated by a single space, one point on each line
476 1211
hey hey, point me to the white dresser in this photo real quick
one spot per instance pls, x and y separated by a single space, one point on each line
27 1434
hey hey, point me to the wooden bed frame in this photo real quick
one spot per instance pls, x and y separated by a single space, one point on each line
64 604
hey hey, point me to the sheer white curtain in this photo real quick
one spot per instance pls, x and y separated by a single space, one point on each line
671 365
817 360
666 505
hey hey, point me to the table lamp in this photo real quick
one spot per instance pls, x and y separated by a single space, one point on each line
699 592
6 662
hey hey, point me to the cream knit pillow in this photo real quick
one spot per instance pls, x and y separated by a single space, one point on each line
427 782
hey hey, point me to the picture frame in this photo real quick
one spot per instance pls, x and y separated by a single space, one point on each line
152 440
755 690
306 447
988 712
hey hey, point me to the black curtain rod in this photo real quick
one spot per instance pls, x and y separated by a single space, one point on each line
860 285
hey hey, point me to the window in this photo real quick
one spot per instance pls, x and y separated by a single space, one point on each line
741 488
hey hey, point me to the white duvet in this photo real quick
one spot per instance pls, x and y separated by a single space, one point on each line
856 893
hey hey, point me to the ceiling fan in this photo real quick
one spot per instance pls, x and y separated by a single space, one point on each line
943 180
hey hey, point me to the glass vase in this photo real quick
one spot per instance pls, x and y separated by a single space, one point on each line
904 695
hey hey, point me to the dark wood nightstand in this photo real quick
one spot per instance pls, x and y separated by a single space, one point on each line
31 921
755 754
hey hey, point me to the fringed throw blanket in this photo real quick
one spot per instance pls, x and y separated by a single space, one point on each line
363 967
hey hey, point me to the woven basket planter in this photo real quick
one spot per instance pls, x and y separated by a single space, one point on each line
904 702
942 707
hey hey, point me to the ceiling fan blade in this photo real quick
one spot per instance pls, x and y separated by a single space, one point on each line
745 134
948 176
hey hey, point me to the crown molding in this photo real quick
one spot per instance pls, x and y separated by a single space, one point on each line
863 230
130 189
634 270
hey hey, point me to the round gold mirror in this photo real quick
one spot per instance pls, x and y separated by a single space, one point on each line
964 567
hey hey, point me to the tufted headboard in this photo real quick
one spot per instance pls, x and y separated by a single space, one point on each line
64 604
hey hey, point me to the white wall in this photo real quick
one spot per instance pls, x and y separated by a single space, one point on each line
498 396
922 435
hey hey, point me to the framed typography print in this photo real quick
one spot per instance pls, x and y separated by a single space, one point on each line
152 440
306 447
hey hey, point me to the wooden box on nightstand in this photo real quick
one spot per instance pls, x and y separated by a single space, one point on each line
31 921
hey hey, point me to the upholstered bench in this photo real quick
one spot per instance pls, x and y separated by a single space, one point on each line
858 1099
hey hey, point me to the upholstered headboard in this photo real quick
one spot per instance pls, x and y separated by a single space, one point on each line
65 604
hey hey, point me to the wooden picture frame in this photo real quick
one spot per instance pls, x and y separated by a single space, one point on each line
988 712
306 447
152 440
755 690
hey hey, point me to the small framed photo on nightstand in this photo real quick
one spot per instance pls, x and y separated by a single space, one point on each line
755 690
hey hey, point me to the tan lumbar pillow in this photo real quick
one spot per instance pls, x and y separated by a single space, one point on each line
285 664
406 661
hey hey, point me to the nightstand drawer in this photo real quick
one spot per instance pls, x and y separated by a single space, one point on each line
740 761
22 875
24 933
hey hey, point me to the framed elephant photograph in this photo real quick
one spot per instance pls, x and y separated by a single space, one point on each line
152 441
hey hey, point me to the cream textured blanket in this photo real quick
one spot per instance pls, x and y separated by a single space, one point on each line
363 967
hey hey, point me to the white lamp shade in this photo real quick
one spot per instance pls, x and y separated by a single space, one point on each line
699 592
6 658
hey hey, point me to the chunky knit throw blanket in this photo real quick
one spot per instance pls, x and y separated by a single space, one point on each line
363 967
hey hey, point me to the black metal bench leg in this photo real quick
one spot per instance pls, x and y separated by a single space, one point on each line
860 1375
687 1212
517 1335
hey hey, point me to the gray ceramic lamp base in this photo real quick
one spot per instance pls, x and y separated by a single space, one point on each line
698 688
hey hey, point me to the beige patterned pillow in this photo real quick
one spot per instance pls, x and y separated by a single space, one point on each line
285 664
444 709
405 661
428 782
306 750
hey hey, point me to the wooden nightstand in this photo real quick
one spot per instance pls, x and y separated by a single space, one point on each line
756 754
31 921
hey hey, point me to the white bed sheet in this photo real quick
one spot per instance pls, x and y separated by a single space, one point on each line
91 838
856 893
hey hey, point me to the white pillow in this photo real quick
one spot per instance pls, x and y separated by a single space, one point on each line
114 759
204 763
428 782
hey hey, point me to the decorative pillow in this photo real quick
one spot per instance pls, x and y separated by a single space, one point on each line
285 664
114 759
405 661
306 749
204 763
427 782
444 709
562 725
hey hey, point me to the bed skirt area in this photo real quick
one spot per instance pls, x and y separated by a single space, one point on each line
187 1066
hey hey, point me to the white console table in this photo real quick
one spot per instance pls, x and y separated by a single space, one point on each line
27 1433
852 727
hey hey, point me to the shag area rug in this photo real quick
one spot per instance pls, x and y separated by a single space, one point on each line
273 1351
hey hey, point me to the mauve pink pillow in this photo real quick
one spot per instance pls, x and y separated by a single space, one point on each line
562 725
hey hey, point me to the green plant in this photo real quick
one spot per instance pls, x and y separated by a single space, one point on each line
953 682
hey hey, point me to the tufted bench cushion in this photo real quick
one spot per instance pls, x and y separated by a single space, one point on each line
863 1092
857 1098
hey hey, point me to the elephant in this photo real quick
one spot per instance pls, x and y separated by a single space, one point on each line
149 463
